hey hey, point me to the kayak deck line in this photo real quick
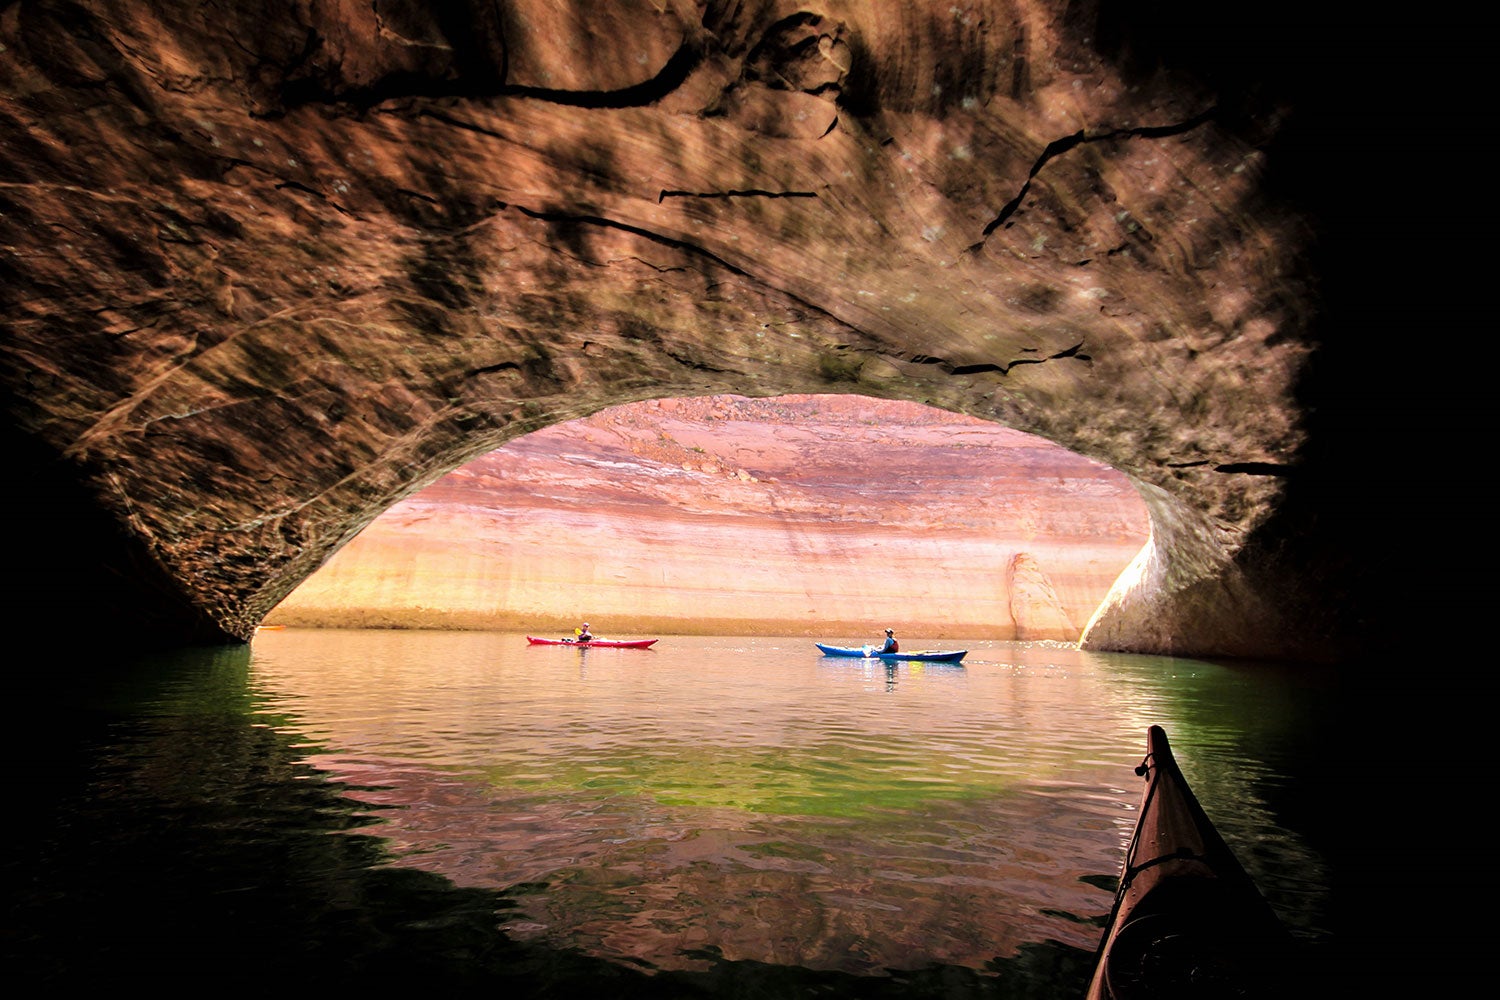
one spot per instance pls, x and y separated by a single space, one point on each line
1187 919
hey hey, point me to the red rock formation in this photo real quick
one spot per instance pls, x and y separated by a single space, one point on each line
817 515
266 269
1035 608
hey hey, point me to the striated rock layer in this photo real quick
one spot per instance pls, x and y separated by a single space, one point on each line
817 515
267 269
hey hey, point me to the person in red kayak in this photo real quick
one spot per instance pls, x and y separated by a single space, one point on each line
583 634
891 645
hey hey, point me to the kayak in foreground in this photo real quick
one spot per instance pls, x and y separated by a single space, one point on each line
871 653
595 643
1187 921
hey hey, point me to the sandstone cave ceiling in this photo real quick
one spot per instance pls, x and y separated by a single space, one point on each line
272 267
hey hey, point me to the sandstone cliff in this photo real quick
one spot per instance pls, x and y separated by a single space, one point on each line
817 515
271 268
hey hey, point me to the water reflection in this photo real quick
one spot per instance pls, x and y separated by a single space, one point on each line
344 806
656 802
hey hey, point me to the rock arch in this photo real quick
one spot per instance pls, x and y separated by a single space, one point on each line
722 515
267 273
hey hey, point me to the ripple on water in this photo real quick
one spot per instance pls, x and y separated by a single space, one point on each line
772 805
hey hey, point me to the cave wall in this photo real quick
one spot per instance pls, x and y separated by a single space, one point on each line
270 268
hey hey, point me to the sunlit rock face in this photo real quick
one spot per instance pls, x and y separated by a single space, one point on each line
271 268
833 516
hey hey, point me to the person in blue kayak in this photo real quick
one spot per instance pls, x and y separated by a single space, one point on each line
583 634
891 645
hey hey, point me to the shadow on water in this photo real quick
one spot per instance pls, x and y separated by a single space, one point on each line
164 830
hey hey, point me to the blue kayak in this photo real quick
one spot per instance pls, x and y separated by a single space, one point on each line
871 653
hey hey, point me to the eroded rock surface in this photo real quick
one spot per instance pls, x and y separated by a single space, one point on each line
829 516
271 268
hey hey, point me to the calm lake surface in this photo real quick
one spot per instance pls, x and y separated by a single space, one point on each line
710 817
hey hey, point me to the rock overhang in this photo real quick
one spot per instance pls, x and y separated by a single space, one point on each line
266 279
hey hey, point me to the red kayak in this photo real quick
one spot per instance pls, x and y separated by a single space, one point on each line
606 643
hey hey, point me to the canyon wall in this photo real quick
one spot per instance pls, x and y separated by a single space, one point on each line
267 269
799 515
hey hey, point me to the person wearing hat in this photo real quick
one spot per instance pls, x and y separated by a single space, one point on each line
583 634
891 646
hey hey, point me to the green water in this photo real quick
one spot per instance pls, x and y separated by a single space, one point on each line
710 817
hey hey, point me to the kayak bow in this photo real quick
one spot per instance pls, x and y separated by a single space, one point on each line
1187 921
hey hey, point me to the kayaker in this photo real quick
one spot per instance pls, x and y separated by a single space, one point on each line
891 645
583 634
